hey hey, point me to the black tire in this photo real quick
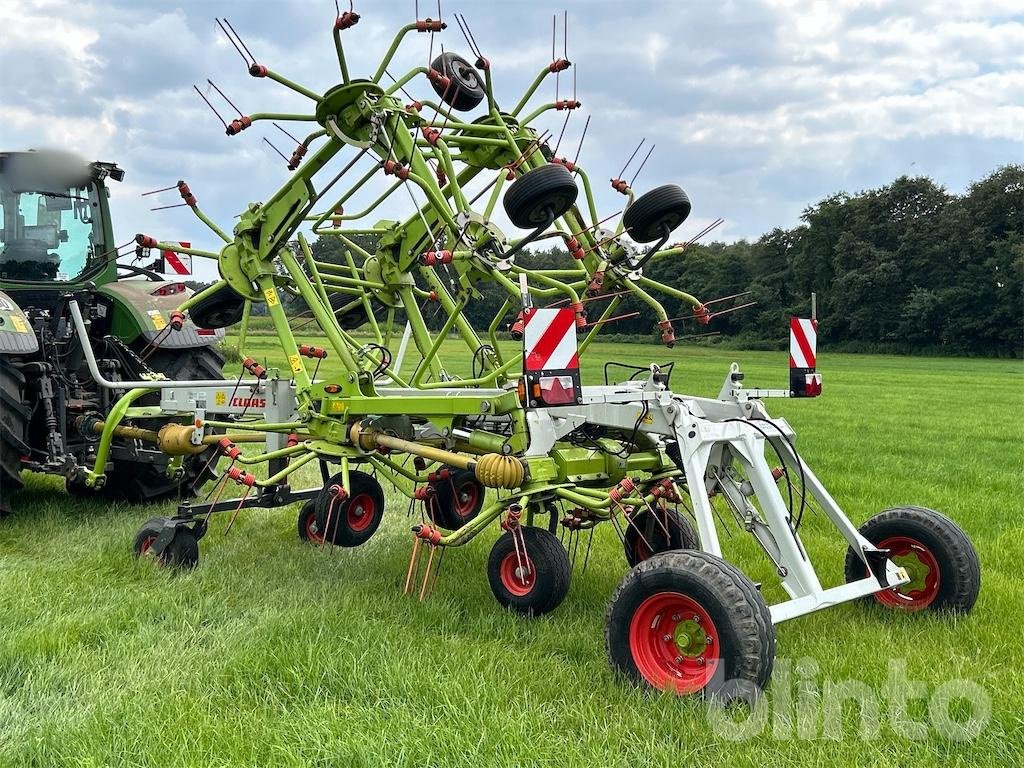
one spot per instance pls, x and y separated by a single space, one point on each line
466 90
547 583
353 521
14 418
355 317
220 309
181 552
182 364
664 206
459 499
306 523
530 198
939 557
691 596
654 540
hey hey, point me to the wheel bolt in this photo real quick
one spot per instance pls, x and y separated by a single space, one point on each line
675 617
700 661
679 659
696 619
666 638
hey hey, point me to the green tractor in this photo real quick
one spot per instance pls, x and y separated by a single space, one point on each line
56 243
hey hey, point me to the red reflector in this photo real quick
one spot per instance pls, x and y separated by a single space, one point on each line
170 289
813 386
205 332
557 390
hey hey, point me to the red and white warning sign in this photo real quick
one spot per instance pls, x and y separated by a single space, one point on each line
177 263
551 362
804 381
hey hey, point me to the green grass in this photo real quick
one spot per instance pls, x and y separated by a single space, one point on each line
273 653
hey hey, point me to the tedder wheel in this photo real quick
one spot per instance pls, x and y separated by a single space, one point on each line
691 623
218 310
308 529
943 566
654 540
356 316
546 191
352 521
664 206
459 499
466 90
181 552
533 584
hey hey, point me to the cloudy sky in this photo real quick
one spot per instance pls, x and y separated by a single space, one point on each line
757 108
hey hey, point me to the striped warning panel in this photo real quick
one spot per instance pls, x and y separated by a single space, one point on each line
549 340
177 263
803 342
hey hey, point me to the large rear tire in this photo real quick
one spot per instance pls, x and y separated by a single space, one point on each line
14 416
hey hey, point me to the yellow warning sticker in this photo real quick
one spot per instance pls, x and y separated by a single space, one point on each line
19 324
220 398
158 319
271 294
648 419
335 406
296 363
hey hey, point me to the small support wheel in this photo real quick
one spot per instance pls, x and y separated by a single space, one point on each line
945 574
351 521
531 583
466 89
459 499
654 539
691 623
182 551
308 529
664 206
539 195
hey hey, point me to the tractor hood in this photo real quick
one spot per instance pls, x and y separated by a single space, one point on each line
16 335
143 308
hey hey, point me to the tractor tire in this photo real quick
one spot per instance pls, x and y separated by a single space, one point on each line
352 521
466 88
654 540
14 417
543 586
139 483
539 193
218 310
664 206
459 499
692 624
940 559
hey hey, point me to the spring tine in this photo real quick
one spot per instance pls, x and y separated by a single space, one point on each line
642 164
583 136
586 556
327 525
165 207
234 514
203 97
623 171
232 41
726 298
437 571
240 40
412 564
270 144
558 143
426 573
282 130
156 191
223 96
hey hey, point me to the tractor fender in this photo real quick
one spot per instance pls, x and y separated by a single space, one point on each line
16 334
141 311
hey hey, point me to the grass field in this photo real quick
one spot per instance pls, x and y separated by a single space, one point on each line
273 653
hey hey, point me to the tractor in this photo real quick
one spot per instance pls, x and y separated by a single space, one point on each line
56 245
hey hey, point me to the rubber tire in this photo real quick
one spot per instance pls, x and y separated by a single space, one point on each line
446 511
667 205
183 364
355 317
14 417
340 532
182 551
532 194
680 536
466 90
959 567
220 309
307 515
553 572
741 616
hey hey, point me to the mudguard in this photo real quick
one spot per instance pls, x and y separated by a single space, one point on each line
16 334
139 311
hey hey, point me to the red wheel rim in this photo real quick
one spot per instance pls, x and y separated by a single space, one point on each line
147 544
312 532
360 512
641 551
921 566
466 497
674 643
518 575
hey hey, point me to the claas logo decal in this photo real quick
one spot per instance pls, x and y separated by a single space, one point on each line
221 398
